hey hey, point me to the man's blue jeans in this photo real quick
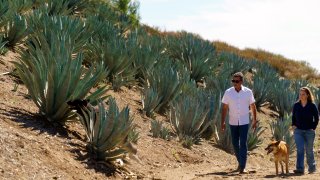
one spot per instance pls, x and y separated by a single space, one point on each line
239 136
304 141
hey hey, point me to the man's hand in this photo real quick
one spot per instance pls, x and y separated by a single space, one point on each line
223 117
254 125
223 127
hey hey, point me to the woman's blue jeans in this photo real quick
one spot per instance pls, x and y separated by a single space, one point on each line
304 141
239 135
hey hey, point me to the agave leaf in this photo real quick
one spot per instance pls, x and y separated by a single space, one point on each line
115 154
97 124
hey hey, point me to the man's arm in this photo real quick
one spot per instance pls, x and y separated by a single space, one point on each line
225 108
254 115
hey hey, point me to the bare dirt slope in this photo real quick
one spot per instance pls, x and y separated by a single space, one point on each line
31 149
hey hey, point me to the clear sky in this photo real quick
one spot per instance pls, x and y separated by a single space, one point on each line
287 27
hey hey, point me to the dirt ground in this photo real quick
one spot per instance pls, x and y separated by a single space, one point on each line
32 149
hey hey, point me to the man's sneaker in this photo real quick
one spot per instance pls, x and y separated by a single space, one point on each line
298 171
244 171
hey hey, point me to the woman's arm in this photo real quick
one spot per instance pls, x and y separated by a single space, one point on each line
294 116
315 117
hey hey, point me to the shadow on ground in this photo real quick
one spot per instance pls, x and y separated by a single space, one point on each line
224 173
33 121
282 175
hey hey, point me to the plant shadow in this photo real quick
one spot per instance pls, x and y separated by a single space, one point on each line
282 175
85 157
224 174
33 121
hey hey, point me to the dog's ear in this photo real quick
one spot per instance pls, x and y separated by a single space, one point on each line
277 143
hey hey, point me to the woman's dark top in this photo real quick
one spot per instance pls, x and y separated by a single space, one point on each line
305 117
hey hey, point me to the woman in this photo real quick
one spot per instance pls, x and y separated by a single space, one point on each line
305 117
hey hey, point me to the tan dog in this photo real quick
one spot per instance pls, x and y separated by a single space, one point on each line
281 154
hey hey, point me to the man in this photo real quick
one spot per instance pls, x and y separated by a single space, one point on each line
237 100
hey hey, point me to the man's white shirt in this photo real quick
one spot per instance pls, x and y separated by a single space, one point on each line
238 103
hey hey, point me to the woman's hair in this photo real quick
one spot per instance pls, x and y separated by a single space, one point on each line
309 93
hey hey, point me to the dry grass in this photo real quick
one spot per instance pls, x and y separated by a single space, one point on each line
287 68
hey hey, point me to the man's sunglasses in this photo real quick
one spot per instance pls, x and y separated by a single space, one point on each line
235 81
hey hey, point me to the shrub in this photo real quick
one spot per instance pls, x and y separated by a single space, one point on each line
162 86
197 55
159 131
78 32
15 31
2 46
283 97
146 53
280 129
107 131
254 137
134 135
264 76
108 46
187 117
53 77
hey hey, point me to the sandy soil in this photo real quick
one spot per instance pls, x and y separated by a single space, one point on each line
31 149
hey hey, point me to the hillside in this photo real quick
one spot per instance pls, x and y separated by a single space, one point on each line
31 149
288 68
74 52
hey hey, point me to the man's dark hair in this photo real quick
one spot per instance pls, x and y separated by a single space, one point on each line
238 74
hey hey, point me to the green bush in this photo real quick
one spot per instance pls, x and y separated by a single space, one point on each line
134 135
63 7
107 131
264 76
2 46
188 118
21 6
196 54
219 82
280 129
234 62
4 8
254 137
15 31
108 46
161 87
283 96
53 77
150 101
159 131
59 27
146 53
